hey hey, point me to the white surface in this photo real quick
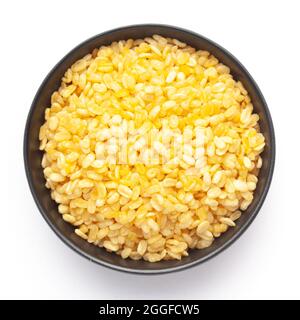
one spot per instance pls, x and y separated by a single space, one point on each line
263 263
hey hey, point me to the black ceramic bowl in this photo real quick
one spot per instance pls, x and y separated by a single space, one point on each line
32 155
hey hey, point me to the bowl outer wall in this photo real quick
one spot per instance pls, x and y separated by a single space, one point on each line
32 155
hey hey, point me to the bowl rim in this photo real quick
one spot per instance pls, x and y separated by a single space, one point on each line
225 245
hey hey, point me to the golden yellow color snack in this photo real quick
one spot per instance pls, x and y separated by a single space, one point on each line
151 148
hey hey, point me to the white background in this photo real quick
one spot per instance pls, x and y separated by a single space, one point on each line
264 263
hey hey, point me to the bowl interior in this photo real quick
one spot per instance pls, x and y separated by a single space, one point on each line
33 156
